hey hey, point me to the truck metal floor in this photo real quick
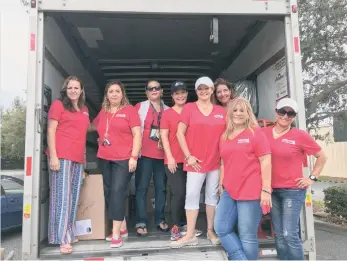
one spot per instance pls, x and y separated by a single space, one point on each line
156 246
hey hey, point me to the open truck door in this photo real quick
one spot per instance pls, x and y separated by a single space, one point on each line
43 14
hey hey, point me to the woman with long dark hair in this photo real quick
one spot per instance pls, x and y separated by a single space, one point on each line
118 126
224 92
68 122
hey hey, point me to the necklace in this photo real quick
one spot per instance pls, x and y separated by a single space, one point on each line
275 133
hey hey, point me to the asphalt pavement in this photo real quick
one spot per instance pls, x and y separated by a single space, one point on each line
331 243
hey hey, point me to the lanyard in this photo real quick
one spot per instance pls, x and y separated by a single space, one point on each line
108 124
158 113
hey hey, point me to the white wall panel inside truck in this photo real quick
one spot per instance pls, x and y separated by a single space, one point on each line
269 41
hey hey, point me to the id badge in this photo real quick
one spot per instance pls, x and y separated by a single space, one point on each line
154 133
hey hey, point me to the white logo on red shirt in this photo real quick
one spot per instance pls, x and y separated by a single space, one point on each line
288 141
242 141
86 113
121 115
218 116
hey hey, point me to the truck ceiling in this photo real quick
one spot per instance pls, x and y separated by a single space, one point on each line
136 47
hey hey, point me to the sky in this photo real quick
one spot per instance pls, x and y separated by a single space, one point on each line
14 42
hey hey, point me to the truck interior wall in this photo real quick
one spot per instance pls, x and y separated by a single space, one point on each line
267 93
265 45
269 41
65 62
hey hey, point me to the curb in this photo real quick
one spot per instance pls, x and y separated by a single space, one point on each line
332 182
332 228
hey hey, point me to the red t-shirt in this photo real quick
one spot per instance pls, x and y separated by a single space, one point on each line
242 170
202 135
289 155
170 122
150 147
71 133
119 133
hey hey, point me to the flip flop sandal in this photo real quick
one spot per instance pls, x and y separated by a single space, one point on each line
163 229
144 234
74 241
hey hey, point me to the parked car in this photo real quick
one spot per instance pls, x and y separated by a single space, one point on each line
11 202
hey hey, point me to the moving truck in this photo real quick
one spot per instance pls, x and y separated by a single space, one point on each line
253 43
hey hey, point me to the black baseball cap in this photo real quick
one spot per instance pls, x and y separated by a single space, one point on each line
178 85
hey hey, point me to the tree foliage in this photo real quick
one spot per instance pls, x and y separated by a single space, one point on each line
13 131
323 28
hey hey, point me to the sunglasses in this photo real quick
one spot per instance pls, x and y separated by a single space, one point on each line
282 112
152 89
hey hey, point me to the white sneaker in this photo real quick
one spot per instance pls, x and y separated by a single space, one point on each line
183 231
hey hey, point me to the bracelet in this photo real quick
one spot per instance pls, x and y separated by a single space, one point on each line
134 157
266 191
187 158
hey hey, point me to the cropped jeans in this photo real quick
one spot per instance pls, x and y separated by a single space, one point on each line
285 213
247 215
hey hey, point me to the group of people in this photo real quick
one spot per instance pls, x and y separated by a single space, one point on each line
248 171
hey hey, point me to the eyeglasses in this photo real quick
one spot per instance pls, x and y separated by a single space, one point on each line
152 89
281 112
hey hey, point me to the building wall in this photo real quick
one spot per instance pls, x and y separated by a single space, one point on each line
336 152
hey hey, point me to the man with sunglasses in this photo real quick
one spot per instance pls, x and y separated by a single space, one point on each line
289 149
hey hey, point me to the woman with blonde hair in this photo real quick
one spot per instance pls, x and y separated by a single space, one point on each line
245 182
68 122
118 126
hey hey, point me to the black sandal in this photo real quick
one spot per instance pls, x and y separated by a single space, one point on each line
144 234
163 229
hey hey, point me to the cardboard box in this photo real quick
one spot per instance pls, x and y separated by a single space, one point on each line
92 222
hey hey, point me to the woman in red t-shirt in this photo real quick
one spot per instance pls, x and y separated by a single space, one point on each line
224 92
68 122
246 164
151 162
289 147
118 126
174 159
201 124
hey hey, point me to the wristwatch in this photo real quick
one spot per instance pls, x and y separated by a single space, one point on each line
314 178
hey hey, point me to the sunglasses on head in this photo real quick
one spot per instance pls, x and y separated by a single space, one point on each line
281 112
155 88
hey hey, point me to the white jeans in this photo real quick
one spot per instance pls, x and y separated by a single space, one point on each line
195 180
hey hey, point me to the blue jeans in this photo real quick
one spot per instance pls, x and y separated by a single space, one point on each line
285 213
146 167
247 215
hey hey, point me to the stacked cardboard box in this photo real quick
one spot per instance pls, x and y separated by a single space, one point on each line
92 221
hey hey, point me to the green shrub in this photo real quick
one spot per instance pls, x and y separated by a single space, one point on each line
336 201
